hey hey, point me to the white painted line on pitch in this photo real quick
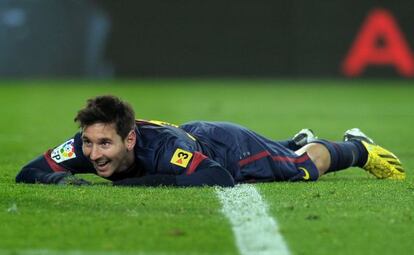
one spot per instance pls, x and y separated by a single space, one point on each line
255 231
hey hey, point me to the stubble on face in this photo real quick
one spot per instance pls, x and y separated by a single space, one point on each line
105 149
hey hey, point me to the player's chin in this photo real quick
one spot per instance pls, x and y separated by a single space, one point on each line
104 171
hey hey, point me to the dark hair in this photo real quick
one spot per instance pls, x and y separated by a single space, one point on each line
107 109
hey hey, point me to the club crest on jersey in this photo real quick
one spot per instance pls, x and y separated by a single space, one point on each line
64 151
181 157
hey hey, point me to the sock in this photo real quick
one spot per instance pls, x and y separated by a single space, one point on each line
290 144
345 154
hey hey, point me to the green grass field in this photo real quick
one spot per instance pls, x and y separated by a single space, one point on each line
344 213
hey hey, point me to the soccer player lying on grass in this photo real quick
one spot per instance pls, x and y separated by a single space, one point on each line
115 146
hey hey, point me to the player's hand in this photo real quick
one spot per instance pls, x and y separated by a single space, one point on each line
73 180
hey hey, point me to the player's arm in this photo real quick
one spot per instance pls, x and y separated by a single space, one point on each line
39 171
56 166
202 171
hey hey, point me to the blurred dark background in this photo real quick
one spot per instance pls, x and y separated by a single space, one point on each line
192 38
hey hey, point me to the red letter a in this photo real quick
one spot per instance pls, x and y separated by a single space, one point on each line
366 50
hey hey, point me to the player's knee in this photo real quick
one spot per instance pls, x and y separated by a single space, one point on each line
319 155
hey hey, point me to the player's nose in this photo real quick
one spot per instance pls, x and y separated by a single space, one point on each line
95 153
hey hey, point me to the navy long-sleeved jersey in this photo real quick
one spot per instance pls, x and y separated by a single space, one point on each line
194 154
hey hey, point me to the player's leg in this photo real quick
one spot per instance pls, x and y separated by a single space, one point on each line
319 155
357 149
335 156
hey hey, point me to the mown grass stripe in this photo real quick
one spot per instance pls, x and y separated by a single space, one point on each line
86 252
76 252
255 231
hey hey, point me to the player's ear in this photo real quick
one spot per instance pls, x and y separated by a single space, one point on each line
130 140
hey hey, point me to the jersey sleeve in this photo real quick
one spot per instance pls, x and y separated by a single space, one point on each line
183 158
68 157
56 164
208 173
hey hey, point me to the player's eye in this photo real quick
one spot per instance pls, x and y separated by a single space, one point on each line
105 144
87 143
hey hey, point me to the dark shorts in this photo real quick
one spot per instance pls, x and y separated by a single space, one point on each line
249 156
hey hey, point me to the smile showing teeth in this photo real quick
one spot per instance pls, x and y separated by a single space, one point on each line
101 164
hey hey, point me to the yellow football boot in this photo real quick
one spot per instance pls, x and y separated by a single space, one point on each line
382 163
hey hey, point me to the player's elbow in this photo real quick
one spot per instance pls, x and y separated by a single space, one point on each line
34 172
226 180
222 177
227 184
213 176
23 176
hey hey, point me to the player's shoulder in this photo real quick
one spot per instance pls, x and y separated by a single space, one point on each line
68 156
157 130
68 150
205 127
154 123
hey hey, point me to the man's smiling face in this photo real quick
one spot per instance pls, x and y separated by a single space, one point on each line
107 151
